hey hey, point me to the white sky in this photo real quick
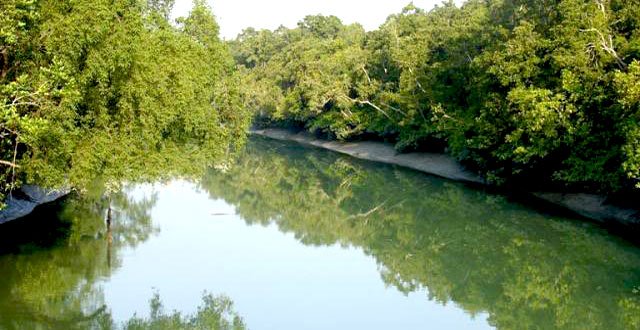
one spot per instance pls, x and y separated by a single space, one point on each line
235 15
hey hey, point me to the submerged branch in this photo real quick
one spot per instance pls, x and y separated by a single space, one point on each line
368 213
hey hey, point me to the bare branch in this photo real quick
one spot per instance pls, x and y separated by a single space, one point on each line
25 103
14 132
394 109
10 164
606 43
366 102
601 6
13 168
366 74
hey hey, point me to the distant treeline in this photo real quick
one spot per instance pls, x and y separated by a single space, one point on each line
112 89
537 92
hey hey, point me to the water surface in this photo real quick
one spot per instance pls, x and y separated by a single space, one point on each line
298 238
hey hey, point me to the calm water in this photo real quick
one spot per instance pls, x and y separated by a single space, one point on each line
299 238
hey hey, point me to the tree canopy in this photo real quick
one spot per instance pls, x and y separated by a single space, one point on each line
112 89
543 93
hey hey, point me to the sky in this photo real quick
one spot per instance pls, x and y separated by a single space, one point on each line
235 15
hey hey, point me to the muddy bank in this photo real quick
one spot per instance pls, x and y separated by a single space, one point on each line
432 163
591 206
26 199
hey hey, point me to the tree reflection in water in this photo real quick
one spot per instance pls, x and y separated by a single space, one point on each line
524 268
486 254
214 313
51 281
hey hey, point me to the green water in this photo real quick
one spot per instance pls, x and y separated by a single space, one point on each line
298 238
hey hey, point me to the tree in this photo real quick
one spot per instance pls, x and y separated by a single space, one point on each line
95 88
527 93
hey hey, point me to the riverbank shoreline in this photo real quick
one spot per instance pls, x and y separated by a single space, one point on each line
27 199
591 206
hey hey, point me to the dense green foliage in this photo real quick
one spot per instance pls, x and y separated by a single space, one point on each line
112 89
543 92
526 269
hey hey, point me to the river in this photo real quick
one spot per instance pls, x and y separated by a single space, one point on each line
292 237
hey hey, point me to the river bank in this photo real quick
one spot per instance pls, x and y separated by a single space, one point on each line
26 199
591 206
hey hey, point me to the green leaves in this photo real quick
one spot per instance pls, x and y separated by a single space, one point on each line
528 92
628 84
88 84
309 75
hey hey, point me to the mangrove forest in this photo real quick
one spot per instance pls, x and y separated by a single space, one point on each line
156 173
